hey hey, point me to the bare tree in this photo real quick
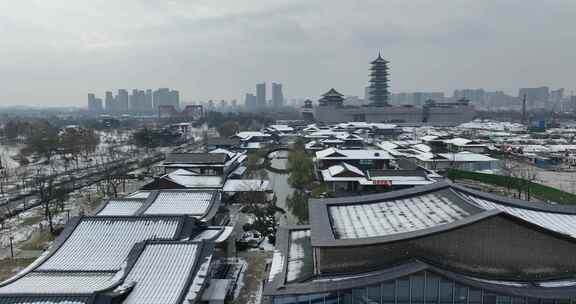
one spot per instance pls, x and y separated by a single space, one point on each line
526 177
509 168
112 181
46 190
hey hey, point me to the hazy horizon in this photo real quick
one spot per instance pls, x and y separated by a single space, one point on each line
53 53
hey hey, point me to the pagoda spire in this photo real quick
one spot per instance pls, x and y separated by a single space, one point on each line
378 88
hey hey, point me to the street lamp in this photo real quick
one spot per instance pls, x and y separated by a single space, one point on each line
11 246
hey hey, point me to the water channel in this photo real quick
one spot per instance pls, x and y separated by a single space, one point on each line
282 189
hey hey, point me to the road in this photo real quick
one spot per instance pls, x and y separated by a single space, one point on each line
76 180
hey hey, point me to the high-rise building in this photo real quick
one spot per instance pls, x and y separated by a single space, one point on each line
174 99
123 101
111 106
535 97
476 96
148 101
379 82
250 102
95 104
556 96
277 95
166 97
139 102
261 95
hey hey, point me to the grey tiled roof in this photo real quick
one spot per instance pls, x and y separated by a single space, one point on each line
196 158
60 283
162 272
30 299
182 202
122 207
394 216
103 243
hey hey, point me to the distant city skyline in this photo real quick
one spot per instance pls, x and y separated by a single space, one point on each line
53 53
145 101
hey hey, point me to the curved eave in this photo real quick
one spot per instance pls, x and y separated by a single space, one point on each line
71 227
544 207
323 235
405 236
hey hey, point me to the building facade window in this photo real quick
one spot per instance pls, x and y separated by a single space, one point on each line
422 288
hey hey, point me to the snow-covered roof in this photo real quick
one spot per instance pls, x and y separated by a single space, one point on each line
299 257
562 223
139 194
384 126
493 125
216 234
326 134
281 128
102 243
122 207
343 167
332 153
246 135
182 202
429 137
467 157
247 185
422 147
162 272
60 283
221 150
331 141
189 179
458 141
393 217
387 145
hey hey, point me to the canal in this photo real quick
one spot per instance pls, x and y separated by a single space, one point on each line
295 211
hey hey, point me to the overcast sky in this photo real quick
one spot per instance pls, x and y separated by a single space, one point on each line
54 52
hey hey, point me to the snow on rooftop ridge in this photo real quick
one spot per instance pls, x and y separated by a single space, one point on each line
161 273
121 207
277 265
181 202
60 282
561 223
393 217
139 194
342 167
353 154
100 244
467 156
298 256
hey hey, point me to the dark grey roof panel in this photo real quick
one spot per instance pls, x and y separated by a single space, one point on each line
196 158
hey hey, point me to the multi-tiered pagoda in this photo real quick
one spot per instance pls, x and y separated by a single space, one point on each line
379 82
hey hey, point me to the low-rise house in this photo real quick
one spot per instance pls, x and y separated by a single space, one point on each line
202 205
184 179
362 159
346 178
463 160
214 143
247 137
212 164
463 144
